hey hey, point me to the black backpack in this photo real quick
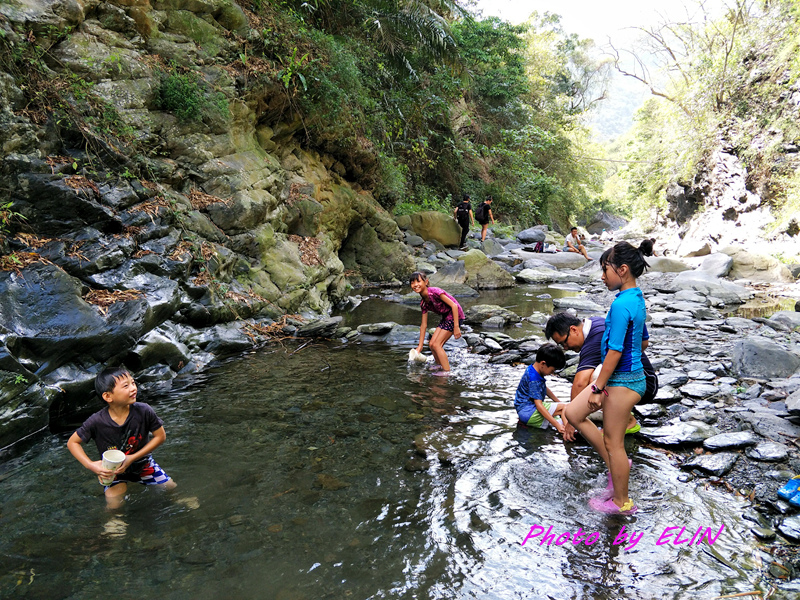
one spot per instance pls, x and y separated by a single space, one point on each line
481 211
462 211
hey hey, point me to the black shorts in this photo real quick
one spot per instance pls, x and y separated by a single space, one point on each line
448 324
651 382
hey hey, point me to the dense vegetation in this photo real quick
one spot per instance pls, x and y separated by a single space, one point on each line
731 84
422 102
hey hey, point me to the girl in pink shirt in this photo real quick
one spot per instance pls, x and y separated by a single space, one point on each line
437 300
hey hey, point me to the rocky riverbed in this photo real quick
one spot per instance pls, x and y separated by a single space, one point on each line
728 409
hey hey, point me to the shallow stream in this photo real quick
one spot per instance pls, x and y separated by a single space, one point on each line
301 475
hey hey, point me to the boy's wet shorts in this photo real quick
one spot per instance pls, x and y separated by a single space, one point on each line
447 324
633 380
151 474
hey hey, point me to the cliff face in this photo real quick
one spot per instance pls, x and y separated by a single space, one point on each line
151 202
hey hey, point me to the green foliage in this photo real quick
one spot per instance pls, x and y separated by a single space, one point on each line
188 97
8 216
730 79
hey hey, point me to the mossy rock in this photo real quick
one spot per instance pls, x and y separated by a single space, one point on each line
432 225
483 274
376 260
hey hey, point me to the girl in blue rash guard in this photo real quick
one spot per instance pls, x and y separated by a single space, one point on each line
621 382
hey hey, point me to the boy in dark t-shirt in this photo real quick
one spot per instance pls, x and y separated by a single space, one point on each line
122 425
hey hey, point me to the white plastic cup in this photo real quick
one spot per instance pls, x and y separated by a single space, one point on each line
414 356
112 459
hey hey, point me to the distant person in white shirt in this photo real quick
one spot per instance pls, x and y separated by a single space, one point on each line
572 243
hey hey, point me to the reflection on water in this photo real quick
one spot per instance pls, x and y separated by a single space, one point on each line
341 472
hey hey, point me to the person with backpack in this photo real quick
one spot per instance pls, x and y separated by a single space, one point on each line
484 214
463 215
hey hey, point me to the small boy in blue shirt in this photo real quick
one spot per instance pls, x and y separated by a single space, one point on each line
529 400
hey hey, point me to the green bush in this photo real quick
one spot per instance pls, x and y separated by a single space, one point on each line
187 96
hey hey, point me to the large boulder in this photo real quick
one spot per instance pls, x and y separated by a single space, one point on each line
756 267
539 276
483 273
48 323
717 264
377 260
605 221
708 285
560 260
762 358
531 235
661 264
433 225
692 247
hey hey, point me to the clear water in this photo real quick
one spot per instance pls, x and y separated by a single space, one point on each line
300 476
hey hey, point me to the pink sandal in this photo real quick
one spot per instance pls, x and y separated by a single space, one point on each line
608 507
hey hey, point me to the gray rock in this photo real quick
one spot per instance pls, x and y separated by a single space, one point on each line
717 264
455 272
790 528
789 318
578 303
661 264
767 424
492 247
757 356
492 345
688 432
696 414
414 241
685 296
321 328
650 411
667 394
531 235
730 441
376 328
482 312
740 323
454 253
672 379
701 375
494 323
768 452
793 403
159 346
538 264
560 260
709 285
402 335
712 464
604 221
538 276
